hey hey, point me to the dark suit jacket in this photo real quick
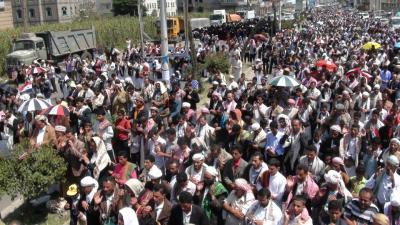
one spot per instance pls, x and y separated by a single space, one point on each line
165 213
198 216
228 173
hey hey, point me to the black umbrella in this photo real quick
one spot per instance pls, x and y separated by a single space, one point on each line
8 89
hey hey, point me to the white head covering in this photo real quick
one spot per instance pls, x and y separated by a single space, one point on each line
395 198
42 118
129 216
155 173
87 182
60 128
255 126
163 89
393 160
212 171
198 157
135 185
186 104
366 94
336 128
100 157
332 177
395 140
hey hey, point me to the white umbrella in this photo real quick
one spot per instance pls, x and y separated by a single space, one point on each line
284 81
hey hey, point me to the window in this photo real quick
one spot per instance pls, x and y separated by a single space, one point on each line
39 45
49 12
31 13
19 14
64 11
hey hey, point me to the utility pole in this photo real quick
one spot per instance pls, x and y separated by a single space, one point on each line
141 28
186 23
164 42
25 14
274 23
280 16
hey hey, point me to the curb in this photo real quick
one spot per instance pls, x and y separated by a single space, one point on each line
16 203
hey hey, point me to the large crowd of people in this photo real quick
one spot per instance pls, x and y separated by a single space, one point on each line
142 150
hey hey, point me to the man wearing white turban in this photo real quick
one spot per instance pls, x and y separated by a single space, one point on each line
196 171
385 180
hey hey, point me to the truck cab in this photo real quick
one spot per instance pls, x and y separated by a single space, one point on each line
26 49
218 17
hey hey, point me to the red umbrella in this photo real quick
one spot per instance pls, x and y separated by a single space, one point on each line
330 66
358 71
57 110
260 37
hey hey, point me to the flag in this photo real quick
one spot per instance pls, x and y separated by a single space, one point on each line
27 87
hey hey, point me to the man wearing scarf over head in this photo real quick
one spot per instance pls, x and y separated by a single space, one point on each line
238 202
87 214
212 196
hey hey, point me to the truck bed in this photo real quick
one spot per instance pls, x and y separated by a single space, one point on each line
61 43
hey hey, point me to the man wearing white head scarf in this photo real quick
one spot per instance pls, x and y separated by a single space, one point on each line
86 204
100 158
127 216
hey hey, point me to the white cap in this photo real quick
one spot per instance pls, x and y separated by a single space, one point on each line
255 126
186 104
198 157
155 173
332 177
212 171
336 128
60 128
393 160
366 94
88 181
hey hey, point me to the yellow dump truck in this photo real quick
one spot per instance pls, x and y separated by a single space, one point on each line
175 28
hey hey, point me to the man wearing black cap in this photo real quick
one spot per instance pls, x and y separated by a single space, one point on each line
187 213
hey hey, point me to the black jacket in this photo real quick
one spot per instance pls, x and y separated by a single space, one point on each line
198 216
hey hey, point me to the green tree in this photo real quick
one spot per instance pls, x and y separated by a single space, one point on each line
32 176
127 7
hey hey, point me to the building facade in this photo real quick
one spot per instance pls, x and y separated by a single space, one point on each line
56 11
153 7
6 19
199 5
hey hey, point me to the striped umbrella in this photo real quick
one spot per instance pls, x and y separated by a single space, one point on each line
57 110
33 105
284 81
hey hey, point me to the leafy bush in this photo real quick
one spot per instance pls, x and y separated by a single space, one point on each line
217 61
32 176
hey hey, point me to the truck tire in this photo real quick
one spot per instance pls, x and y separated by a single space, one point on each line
86 55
